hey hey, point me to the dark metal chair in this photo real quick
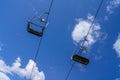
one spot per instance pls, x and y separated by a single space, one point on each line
42 19
80 59
35 32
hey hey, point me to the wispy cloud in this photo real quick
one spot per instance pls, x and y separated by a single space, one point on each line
81 29
116 46
1 45
112 5
97 56
22 72
117 79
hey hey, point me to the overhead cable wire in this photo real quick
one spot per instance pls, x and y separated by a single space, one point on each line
92 25
40 41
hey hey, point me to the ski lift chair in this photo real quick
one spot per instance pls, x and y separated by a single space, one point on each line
43 20
35 32
80 59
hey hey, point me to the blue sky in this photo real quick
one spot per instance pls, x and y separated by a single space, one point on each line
67 26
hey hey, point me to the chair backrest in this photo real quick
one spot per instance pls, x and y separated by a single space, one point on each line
80 59
38 22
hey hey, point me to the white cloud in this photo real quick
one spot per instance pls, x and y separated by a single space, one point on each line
22 72
90 17
112 5
117 79
81 29
3 76
3 67
116 46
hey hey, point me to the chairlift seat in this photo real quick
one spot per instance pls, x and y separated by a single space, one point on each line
80 59
30 30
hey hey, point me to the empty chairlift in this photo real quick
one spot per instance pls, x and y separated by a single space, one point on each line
80 59
33 31
42 24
